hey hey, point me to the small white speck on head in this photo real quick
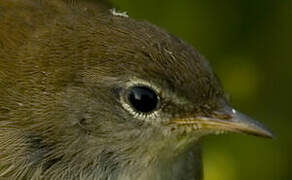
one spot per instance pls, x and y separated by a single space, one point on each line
233 111
169 52
116 13
20 104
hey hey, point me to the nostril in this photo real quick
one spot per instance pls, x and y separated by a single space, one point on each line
221 115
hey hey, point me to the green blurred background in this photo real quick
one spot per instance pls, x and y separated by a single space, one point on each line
248 43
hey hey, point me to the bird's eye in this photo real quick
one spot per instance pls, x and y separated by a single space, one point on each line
143 99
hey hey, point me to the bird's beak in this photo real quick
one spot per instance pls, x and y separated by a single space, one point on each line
227 119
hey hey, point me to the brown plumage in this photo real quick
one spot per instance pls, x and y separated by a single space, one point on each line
66 69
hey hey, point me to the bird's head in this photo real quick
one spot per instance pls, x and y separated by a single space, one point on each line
104 89
140 90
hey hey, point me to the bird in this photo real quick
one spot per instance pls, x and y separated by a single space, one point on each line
89 93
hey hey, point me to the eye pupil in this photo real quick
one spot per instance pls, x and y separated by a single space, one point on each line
143 99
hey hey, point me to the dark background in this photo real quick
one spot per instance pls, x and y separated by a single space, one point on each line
248 43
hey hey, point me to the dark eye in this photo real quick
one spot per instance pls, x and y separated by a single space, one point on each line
143 99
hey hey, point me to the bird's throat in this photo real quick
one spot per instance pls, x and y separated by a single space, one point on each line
185 166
